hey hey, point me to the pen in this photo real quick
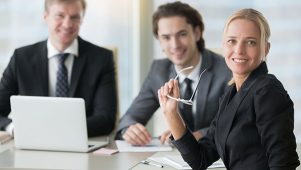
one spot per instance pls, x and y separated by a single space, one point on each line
156 137
150 163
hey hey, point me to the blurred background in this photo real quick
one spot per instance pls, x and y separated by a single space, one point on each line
126 26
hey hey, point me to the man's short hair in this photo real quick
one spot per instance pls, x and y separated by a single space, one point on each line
180 9
48 3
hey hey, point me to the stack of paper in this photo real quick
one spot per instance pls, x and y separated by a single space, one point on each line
176 161
153 146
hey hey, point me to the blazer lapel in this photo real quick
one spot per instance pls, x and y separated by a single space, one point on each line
218 130
204 88
227 116
77 67
42 68
204 83
172 72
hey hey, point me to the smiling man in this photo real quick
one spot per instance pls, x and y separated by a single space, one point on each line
179 29
64 65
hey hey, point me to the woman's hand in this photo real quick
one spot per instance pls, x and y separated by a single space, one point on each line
168 105
170 108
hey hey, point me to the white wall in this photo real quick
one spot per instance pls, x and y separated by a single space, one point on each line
109 23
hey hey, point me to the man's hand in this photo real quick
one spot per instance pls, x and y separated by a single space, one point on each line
137 134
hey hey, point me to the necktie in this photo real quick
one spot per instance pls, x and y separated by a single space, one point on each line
62 88
185 109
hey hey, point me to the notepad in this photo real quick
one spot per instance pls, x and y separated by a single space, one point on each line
105 151
153 146
177 162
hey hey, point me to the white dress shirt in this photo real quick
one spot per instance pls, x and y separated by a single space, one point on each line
53 63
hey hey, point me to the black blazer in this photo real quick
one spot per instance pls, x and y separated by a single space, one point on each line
92 78
212 85
253 129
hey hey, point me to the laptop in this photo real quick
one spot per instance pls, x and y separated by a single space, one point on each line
51 123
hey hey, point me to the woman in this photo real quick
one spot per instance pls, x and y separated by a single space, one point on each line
254 125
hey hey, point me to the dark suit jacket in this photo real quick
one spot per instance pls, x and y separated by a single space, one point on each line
252 130
92 78
211 87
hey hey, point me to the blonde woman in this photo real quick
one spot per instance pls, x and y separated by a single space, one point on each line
254 126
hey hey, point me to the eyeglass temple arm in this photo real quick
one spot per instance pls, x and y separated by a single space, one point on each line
197 84
187 68
189 102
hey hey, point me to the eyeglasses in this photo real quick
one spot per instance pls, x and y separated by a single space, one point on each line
188 102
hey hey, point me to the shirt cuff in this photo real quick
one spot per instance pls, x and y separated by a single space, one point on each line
10 128
204 131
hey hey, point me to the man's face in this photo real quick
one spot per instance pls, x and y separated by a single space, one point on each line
178 40
63 21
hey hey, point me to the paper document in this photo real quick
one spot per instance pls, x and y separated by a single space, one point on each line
154 146
5 137
176 161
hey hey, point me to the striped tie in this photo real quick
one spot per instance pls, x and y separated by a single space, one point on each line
62 88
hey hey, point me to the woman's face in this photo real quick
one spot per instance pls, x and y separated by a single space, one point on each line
241 47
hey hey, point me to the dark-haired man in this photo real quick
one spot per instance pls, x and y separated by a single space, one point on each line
179 29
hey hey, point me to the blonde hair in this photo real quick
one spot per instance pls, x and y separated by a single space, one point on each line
48 3
259 20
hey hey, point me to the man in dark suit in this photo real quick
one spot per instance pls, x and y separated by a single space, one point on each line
179 29
89 70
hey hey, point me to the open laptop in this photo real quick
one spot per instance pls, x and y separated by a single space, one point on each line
51 123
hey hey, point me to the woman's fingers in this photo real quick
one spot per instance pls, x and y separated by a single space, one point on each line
175 88
169 88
